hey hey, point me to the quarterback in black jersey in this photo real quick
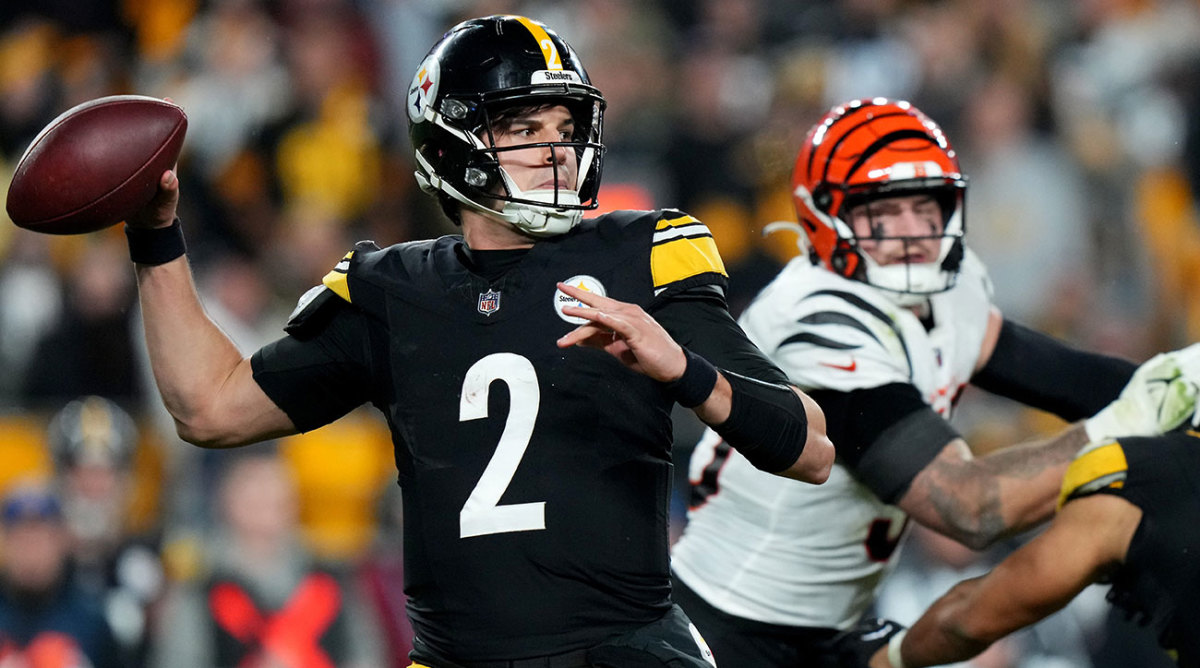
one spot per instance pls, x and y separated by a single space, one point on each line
527 369
1127 517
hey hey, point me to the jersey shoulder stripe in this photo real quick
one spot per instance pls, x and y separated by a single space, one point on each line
682 247
818 341
828 318
1094 469
841 318
827 332
336 279
856 301
373 268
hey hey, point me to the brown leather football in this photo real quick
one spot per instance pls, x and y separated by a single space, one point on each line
96 164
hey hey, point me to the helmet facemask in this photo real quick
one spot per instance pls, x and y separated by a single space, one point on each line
544 211
909 283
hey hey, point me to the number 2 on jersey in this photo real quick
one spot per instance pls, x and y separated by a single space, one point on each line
482 514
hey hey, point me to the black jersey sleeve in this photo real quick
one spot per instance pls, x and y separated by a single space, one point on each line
885 435
318 375
699 320
1047 374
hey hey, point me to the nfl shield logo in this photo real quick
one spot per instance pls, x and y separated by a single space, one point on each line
489 302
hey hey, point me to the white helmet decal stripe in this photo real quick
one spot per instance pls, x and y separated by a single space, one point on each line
906 170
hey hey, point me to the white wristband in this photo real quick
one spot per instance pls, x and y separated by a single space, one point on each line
893 652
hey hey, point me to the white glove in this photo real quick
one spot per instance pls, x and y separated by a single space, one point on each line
1158 398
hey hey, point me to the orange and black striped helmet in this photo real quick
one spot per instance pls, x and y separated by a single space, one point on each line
867 149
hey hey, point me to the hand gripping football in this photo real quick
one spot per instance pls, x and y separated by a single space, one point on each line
96 164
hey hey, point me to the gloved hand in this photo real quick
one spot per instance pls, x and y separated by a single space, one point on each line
1158 398
854 647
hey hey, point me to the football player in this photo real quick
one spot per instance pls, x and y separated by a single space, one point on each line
527 368
1127 517
94 443
883 322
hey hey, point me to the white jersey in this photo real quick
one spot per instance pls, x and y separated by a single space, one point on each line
774 550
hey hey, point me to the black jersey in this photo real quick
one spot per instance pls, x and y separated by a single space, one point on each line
535 479
1159 583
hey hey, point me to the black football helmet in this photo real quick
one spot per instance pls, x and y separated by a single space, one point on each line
482 66
93 430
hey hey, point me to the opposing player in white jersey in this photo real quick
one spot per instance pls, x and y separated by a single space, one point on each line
884 322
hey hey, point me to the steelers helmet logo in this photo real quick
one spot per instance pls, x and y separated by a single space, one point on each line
562 299
423 90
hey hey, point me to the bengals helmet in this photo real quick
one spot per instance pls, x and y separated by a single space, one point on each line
869 149
484 66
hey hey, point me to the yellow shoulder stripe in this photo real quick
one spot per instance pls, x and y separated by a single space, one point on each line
336 279
683 247
1102 467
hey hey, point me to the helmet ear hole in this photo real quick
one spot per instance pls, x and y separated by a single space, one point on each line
476 178
838 262
844 260
822 197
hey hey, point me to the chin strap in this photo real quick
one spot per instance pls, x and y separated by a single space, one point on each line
535 220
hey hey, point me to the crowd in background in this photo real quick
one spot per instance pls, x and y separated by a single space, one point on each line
1077 121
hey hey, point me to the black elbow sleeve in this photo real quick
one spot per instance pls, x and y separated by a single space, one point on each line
1047 374
767 423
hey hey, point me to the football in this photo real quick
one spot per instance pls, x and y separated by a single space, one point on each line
96 164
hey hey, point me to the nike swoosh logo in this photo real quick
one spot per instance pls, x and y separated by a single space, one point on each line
844 367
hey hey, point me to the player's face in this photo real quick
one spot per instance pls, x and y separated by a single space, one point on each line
903 229
43 553
538 167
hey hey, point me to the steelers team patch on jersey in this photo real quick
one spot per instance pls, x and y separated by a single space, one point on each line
1094 469
563 300
681 248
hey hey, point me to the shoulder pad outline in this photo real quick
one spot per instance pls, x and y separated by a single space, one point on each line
313 308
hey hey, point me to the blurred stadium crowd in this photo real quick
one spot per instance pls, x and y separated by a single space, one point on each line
1076 120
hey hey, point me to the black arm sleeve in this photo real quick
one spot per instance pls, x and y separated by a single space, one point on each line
767 421
885 435
326 372
699 320
1047 374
